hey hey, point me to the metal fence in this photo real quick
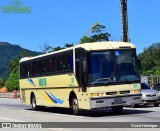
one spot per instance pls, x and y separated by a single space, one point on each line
151 80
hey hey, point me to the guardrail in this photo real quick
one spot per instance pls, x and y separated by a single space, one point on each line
151 80
8 95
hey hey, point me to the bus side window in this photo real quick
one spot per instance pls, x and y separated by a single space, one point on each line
58 64
53 65
64 63
27 70
38 67
30 69
22 70
44 66
49 65
33 68
70 62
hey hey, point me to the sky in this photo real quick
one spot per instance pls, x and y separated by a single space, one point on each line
57 22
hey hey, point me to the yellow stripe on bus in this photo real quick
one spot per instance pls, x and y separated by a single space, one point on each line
46 97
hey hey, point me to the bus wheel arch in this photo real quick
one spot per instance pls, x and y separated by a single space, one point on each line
33 102
73 103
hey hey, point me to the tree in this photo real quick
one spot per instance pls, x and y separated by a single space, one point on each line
23 54
47 48
150 59
2 82
68 45
13 81
98 34
57 48
86 39
101 37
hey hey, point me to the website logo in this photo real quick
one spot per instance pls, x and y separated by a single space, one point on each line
16 7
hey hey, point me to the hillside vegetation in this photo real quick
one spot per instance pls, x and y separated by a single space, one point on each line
7 53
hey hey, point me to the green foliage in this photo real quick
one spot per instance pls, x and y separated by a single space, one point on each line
68 45
47 48
13 81
98 29
2 82
58 48
98 34
150 59
13 64
86 39
101 37
9 64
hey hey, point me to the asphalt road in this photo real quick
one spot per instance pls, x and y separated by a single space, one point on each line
11 110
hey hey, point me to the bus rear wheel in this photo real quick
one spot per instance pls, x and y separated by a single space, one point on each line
117 109
74 106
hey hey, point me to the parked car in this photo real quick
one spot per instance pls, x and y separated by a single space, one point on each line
149 96
157 87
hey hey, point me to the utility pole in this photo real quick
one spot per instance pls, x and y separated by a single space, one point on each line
124 18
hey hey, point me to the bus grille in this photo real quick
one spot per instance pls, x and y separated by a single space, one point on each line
118 92
124 92
111 93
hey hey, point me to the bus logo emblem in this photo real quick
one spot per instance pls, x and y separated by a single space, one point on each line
42 82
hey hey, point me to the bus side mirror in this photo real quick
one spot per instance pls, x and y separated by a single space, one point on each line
139 64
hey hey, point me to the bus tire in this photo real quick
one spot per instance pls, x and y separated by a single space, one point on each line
74 106
117 109
33 103
156 104
134 105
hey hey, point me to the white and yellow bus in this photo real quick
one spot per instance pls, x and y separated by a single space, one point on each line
87 76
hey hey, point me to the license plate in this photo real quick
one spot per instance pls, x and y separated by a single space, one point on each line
152 98
118 101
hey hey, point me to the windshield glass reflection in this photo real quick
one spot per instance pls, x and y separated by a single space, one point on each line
112 66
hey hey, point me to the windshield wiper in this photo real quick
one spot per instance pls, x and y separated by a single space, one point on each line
102 81
99 79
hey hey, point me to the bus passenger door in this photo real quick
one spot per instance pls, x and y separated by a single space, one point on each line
81 67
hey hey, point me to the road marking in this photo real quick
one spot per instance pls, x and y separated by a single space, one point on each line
11 120
55 114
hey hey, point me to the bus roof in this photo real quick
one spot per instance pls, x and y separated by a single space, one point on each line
88 47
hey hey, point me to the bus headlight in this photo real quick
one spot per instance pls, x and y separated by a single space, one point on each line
135 91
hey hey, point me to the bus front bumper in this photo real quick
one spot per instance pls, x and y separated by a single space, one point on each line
101 102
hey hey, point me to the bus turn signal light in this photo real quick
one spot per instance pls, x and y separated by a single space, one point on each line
96 94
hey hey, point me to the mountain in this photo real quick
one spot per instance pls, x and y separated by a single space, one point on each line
9 52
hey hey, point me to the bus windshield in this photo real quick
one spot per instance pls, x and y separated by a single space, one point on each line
106 67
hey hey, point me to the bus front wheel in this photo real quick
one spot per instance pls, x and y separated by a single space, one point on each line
134 105
117 109
75 108
156 104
